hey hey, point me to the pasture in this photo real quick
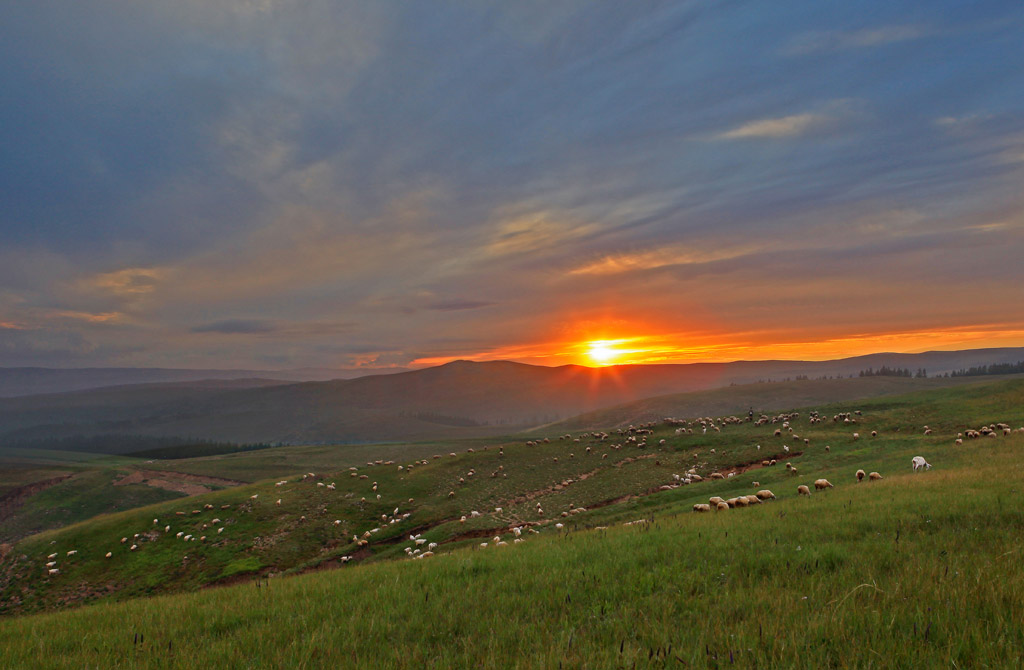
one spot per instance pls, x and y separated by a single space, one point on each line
915 570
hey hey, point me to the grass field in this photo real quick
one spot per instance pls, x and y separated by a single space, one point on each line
82 496
916 570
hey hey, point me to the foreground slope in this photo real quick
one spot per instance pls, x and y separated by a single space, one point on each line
915 570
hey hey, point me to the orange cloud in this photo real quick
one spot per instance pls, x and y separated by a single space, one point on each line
129 281
104 317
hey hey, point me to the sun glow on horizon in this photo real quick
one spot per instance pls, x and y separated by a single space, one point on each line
604 352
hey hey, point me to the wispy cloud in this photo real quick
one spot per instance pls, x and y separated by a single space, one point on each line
826 117
660 258
129 281
103 317
458 305
816 42
782 127
237 326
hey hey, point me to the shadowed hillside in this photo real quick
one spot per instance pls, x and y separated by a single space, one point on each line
459 399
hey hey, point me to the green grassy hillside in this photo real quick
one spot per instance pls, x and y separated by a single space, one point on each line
916 570
762 397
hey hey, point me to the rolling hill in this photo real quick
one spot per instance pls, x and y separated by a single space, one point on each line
459 399
614 571
22 381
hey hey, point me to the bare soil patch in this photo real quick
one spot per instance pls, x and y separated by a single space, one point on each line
190 485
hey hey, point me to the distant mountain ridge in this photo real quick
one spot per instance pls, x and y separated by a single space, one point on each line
458 399
22 381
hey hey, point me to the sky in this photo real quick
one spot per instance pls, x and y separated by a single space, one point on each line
280 184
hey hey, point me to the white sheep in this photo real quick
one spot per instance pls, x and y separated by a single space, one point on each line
822 484
861 475
874 476
918 463
803 490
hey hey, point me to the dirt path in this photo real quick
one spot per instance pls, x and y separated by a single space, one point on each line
190 485
14 499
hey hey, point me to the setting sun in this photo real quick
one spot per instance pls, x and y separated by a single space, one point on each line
603 352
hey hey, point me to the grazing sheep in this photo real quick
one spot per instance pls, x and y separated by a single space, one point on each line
722 506
861 475
753 500
717 475
72 552
959 441
803 490
918 463
874 476
822 484
856 436
874 433
109 554
715 500
702 507
765 495
53 571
